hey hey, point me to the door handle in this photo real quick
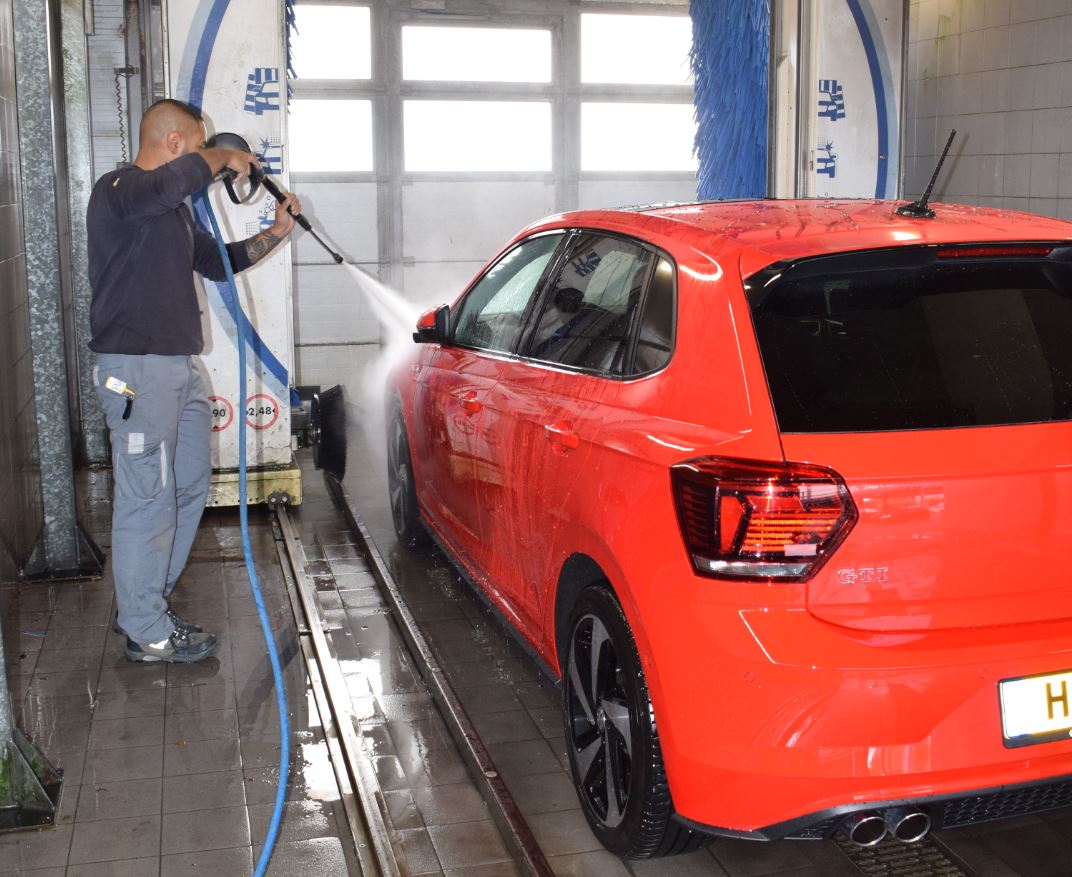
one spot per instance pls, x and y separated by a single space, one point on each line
561 435
470 404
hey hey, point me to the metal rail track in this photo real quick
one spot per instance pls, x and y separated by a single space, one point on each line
378 849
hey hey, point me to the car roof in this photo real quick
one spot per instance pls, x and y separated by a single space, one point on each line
801 228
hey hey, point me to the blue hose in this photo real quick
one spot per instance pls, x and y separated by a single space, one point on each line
251 570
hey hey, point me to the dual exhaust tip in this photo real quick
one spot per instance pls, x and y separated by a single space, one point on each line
906 824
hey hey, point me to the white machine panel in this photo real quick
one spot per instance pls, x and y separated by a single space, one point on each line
226 57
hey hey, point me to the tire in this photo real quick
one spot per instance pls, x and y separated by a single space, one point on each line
401 489
610 721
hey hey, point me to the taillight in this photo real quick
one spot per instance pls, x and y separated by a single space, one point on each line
991 251
745 519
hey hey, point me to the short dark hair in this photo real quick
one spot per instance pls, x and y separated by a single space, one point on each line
178 106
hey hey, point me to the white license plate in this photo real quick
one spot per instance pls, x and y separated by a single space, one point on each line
1036 709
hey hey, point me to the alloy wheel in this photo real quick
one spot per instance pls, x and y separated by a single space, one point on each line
599 720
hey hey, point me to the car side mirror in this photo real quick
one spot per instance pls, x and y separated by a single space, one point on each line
433 326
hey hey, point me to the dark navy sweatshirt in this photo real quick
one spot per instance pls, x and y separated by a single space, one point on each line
143 249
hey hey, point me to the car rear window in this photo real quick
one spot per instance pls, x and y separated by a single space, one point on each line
917 338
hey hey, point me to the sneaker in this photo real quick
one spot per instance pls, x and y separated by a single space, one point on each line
181 647
189 626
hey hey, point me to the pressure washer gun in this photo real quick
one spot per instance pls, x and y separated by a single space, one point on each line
227 140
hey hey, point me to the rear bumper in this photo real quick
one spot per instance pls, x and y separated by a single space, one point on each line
772 721
945 811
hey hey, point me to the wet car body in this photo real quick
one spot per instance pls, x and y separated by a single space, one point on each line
867 676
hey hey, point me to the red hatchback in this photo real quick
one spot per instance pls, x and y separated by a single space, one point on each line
781 490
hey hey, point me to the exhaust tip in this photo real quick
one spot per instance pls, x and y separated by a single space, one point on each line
908 825
865 829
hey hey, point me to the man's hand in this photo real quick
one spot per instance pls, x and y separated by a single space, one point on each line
285 211
235 159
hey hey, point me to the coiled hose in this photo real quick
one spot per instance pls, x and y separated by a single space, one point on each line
247 549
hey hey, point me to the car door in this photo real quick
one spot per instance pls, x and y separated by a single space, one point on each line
546 414
454 383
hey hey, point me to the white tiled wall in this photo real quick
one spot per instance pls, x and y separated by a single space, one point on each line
1000 72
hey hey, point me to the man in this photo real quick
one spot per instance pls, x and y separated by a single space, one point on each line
146 331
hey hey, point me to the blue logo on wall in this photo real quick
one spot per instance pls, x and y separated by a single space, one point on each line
262 90
826 160
270 154
585 265
831 100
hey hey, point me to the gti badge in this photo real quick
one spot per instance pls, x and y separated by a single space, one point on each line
865 575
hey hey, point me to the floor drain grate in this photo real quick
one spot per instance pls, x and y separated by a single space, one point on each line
893 859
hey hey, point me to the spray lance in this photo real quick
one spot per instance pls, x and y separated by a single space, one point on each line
257 177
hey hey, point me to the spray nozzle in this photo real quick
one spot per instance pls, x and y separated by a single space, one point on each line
257 177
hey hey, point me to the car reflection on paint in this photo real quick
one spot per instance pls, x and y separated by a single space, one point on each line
782 492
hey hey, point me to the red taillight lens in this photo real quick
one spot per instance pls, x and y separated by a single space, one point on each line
990 252
745 519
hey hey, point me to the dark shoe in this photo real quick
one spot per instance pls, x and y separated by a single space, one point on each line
181 648
189 626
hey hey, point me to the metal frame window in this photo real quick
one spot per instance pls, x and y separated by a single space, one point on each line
565 93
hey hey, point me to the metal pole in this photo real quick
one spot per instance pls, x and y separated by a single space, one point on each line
6 720
93 432
60 537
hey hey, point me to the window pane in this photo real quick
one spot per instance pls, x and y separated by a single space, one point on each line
656 339
489 317
906 340
330 135
636 49
476 54
477 135
331 42
637 137
586 321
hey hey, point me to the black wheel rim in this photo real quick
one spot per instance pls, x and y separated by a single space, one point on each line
398 475
600 725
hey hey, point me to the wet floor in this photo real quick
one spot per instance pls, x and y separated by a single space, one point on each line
169 769
515 708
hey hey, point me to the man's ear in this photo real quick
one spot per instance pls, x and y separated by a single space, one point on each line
174 142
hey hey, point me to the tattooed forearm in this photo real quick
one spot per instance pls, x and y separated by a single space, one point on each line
260 245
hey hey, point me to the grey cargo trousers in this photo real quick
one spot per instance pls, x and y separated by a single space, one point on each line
161 466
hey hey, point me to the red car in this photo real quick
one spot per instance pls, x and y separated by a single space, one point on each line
782 492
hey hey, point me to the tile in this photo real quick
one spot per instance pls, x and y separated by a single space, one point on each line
197 830
75 638
112 839
145 867
234 862
544 793
450 803
403 810
563 832
119 674
126 732
748 858
419 852
136 762
45 848
204 791
596 864
323 857
140 703
119 799
302 820
201 756
201 725
205 698
497 869
506 727
67 660
525 758
468 843
696 864
64 683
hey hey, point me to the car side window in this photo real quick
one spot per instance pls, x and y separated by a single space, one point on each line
589 314
490 315
655 341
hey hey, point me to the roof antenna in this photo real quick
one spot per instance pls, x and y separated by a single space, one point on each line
919 209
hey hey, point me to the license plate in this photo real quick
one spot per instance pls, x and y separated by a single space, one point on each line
1036 709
